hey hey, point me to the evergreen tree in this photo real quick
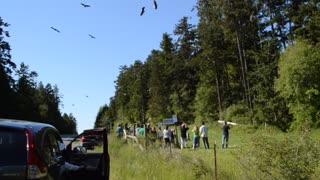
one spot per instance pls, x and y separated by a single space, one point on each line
214 74
184 76
122 93
157 88
138 92
26 88
70 124
102 117
7 95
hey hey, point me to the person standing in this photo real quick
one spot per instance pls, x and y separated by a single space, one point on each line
173 135
166 136
153 135
160 135
204 135
141 130
119 131
183 130
196 137
225 134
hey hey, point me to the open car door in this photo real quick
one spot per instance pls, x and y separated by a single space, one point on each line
95 161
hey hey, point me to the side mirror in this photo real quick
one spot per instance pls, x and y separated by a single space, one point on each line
80 149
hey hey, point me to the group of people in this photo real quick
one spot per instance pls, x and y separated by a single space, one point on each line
197 133
168 135
202 133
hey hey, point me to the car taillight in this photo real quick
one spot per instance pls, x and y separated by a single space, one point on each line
81 140
35 169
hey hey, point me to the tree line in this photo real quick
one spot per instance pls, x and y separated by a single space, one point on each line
22 97
250 61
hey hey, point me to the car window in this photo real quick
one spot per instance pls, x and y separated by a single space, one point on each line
12 147
92 143
51 148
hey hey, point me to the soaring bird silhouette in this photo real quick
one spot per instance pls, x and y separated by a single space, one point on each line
85 5
55 29
142 11
155 5
92 36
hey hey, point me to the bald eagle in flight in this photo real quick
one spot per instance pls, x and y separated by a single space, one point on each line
85 5
142 11
55 29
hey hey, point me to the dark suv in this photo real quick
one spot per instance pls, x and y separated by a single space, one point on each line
30 150
90 141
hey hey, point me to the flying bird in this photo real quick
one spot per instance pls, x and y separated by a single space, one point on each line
142 11
55 29
155 5
92 36
85 5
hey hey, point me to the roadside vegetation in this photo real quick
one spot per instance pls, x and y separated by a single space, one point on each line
255 63
249 62
254 153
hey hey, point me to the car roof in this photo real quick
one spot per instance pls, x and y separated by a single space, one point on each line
22 124
93 132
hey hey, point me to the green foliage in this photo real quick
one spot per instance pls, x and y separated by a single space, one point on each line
102 116
205 107
158 84
128 161
226 66
253 153
298 81
289 156
239 113
306 16
69 124
7 99
184 71
272 111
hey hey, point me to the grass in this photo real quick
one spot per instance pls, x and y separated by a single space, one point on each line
128 161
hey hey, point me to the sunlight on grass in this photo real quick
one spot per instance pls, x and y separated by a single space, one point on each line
128 161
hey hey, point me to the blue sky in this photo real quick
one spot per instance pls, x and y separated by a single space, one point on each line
79 65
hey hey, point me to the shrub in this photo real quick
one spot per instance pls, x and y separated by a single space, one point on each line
293 156
237 113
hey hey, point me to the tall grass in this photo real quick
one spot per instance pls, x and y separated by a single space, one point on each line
128 161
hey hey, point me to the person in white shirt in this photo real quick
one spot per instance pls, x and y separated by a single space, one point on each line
166 136
160 135
204 135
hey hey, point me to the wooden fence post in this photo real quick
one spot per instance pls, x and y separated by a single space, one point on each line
215 161
145 135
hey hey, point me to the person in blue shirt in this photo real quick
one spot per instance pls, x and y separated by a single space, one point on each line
225 134
119 131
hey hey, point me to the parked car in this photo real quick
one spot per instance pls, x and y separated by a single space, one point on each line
90 141
31 150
